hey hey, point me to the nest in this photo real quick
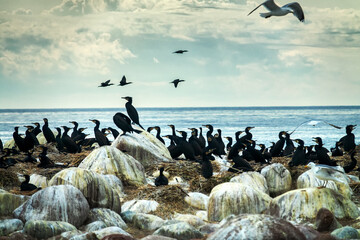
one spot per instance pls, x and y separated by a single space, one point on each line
8 179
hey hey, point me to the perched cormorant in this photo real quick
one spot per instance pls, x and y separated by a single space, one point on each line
69 144
36 130
186 147
123 81
75 131
180 51
289 145
59 144
175 150
26 186
321 153
348 168
299 157
19 141
240 164
45 162
348 141
30 138
176 82
257 155
248 135
7 160
161 179
212 142
1 146
336 151
48 134
195 143
264 151
81 136
221 142
101 139
201 139
131 111
29 158
237 146
106 84
114 132
279 145
228 146
124 123
206 166
158 132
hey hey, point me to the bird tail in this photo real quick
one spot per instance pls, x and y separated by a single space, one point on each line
265 15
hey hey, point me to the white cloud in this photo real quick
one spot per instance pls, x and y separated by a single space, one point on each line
22 11
156 60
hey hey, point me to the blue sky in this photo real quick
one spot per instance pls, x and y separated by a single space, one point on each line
54 54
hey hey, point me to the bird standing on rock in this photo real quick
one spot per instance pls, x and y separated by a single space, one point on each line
124 123
161 179
48 134
131 111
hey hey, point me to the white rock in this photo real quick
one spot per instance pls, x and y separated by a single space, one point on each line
38 180
110 160
100 234
94 226
278 178
202 215
190 219
235 198
109 217
180 231
147 221
8 226
253 179
197 200
140 206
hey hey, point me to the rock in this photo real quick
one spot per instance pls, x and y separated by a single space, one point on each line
197 200
256 226
67 235
110 218
19 235
94 226
354 178
38 180
140 206
235 198
190 219
9 144
147 221
144 147
41 138
155 237
303 204
278 179
8 226
253 179
326 221
202 215
180 231
110 160
102 233
56 203
41 229
9 202
95 188
115 183
128 216
308 180
209 228
346 233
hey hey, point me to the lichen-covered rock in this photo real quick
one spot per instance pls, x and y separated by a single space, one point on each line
102 233
308 180
41 229
139 206
155 237
147 221
127 216
202 215
8 226
56 203
144 147
9 144
9 202
190 219
94 226
180 231
110 218
197 200
303 204
278 179
253 179
256 226
38 180
67 235
235 198
346 233
95 188
110 160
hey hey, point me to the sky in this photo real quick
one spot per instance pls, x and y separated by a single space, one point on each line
55 54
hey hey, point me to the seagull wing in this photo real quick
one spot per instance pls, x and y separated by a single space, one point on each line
269 4
314 122
297 10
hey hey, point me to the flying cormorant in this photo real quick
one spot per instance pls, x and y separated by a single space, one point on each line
176 82
124 123
161 179
26 186
131 111
48 134
106 84
180 51
123 81
99 136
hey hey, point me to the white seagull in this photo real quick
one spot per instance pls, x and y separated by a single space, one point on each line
275 10
326 173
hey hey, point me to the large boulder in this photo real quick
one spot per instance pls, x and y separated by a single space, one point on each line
140 206
9 202
197 200
56 203
38 180
190 219
256 226
253 179
8 226
180 231
303 204
235 198
110 160
110 218
144 147
41 229
147 221
278 179
95 187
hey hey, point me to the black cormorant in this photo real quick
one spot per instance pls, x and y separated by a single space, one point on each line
176 82
256 154
321 153
75 131
30 135
195 143
299 157
161 179
348 141
221 142
336 151
237 145
101 139
1 146
206 166
124 123
131 111
212 142
201 139
114 132
289 145
186 147
240 164
175 150
81 136
69 144
19 141
264 151
123 81
26 186
158 132
59 143
228 146
348 168
45 162
106 84
180 51
29 158
48 134
279 145
248 135
37 129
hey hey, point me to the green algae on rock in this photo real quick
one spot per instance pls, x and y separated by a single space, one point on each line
42 229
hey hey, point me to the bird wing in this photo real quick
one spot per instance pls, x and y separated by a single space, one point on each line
297 10
123 80
106 82
314 122
268 4
176 84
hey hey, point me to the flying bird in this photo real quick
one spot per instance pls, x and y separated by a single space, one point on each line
106 84
123 81
176 82
275 10
180 51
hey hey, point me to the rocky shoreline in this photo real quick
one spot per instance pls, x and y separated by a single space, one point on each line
109 193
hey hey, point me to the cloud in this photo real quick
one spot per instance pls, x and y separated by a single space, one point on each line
22 11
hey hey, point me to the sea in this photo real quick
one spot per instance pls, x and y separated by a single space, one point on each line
309 122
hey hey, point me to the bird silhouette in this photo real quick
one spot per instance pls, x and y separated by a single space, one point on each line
176 82
106 84
180 51
123 81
